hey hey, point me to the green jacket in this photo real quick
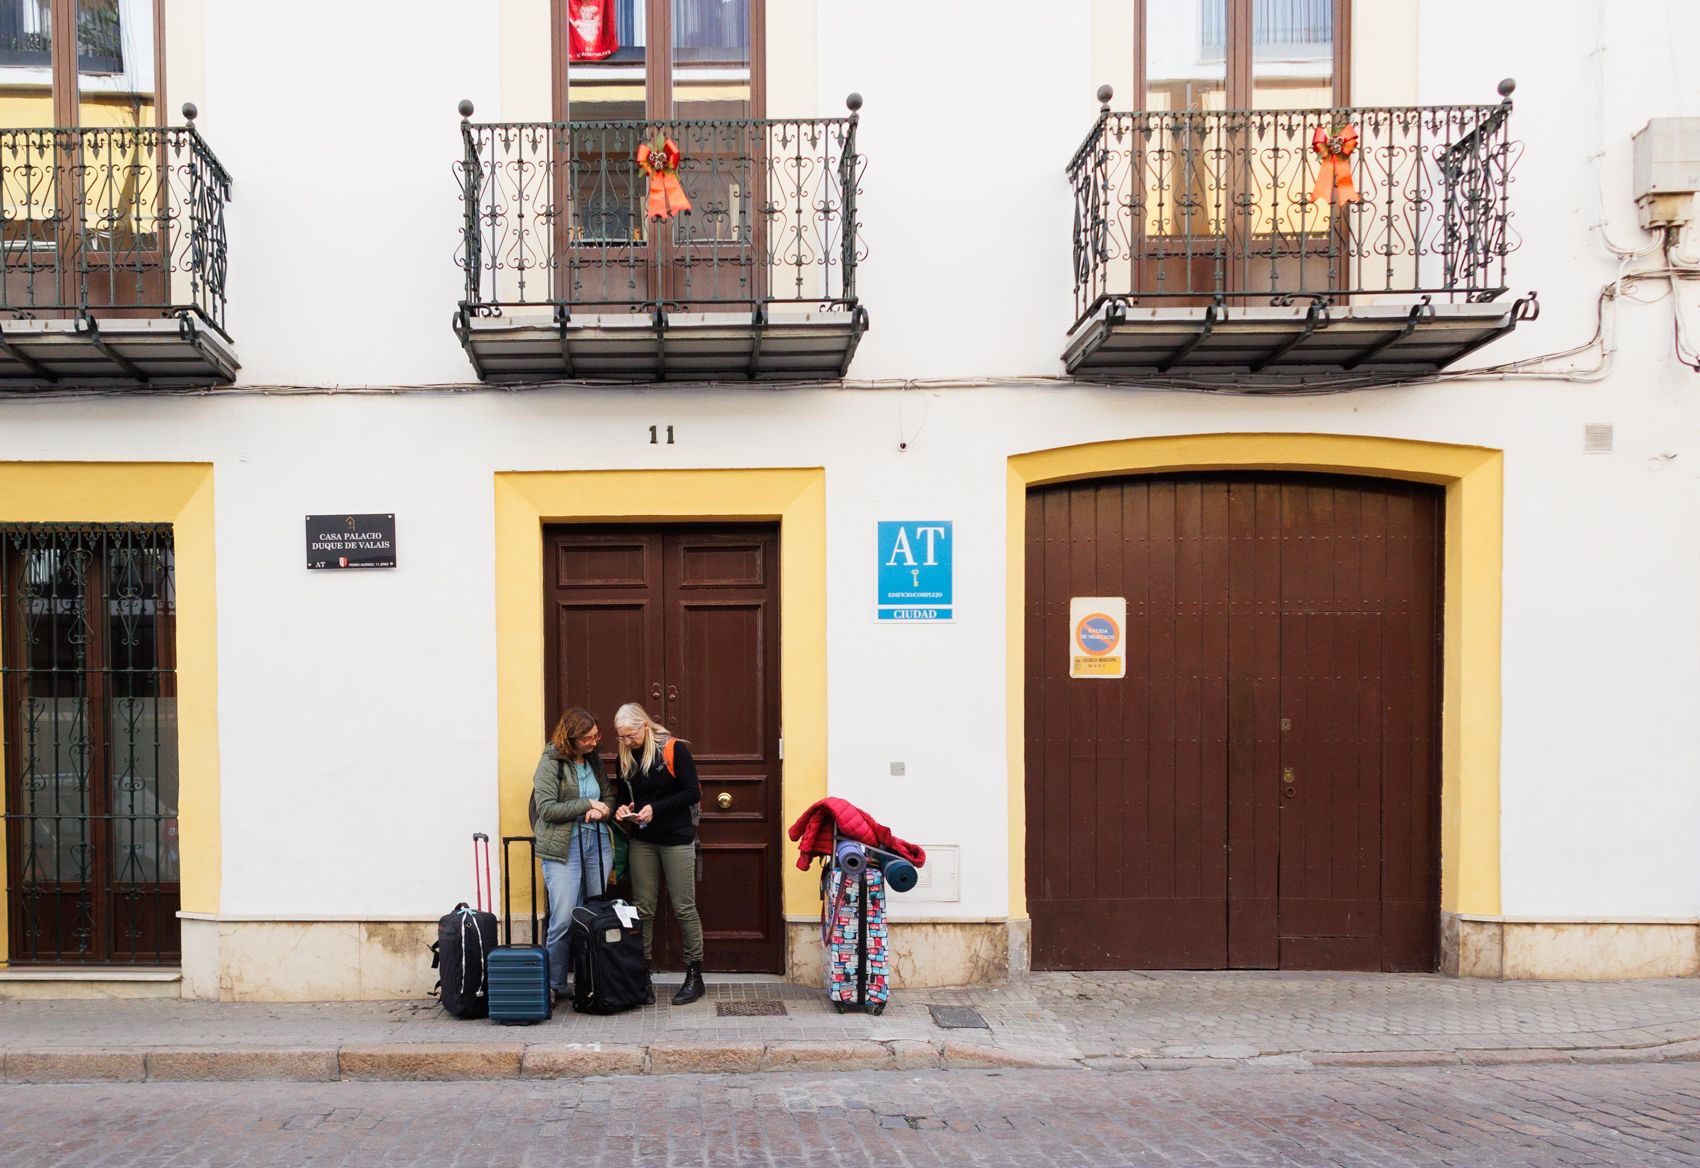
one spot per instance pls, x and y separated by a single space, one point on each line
557 809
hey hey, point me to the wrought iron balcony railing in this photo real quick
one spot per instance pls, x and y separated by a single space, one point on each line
558 214
119 221
1273 206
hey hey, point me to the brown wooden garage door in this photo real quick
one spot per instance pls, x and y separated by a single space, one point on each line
1262 789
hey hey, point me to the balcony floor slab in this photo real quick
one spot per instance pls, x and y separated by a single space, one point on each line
628 347
135 353
1380 339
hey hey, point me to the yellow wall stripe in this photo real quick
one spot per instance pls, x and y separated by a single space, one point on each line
525 501
180 494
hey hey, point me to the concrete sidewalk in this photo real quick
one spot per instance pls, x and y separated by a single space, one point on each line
1102 1021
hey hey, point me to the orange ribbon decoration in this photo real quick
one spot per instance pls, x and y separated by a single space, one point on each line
659 160
1334 166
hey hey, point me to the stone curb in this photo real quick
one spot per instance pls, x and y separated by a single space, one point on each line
448 1062
214 1065
406 1062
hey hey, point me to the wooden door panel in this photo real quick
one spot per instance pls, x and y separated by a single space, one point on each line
610 661
685 621
738 919
1254 718
1274 621
736 564
717 665
606 561
1127 786
722 693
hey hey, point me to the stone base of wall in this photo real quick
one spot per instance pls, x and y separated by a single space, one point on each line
27 984
922 953
320 961
1499 947
307 961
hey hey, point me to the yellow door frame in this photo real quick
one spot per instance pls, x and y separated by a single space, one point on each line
1473 477
180 494
526 501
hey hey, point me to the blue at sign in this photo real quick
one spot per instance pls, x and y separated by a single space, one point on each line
915 582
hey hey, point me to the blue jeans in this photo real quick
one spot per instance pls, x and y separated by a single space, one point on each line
570 885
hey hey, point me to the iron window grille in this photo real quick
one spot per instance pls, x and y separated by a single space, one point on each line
88 681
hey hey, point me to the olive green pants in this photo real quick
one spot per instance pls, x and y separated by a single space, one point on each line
678 862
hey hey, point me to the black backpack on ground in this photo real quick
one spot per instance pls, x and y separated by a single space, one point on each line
609 971
464 940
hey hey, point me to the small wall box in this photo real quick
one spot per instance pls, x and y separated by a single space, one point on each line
1666 171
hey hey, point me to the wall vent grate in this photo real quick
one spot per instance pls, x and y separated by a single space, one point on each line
1597 438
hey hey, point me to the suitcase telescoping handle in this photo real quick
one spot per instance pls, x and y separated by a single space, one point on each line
483 895
530 843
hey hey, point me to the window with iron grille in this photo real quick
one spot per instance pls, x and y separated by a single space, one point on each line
88 682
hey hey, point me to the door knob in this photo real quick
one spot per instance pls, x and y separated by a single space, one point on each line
672 693
655 693
725 800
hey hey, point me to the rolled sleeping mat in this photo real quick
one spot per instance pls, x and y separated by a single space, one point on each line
850 856
900 874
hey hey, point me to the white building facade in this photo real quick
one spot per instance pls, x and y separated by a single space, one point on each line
1411 647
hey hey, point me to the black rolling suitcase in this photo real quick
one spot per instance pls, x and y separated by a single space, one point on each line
606 944
465 938
519 974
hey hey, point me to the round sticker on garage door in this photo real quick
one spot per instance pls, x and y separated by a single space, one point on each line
1095 642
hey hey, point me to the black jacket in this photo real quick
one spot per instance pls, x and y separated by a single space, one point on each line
671 795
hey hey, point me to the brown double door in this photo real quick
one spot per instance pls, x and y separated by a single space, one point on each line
685 621
1262 789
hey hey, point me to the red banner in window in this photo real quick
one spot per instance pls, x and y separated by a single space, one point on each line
591 33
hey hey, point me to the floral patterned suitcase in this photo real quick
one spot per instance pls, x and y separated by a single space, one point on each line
853 929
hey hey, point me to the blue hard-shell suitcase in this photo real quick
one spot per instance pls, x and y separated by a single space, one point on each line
518 975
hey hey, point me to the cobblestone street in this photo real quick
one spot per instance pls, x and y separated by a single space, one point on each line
1513 1116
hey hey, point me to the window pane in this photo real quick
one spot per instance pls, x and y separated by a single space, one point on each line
26 64
606 57
711 58
1292 59
115 57
1185 63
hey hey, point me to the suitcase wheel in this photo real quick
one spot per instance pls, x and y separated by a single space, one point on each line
876 1008
841 1007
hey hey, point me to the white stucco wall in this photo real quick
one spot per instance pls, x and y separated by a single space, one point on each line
357 710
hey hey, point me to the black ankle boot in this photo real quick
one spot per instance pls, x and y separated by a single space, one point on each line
693 987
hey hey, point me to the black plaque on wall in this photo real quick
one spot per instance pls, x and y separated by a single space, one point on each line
351 541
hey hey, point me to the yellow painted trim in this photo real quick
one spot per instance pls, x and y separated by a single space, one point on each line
527 500
1470 714
180 494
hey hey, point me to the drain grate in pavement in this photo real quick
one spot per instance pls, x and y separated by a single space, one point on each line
750 1008
958 1018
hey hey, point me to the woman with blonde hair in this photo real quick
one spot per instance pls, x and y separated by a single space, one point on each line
570 799
662 779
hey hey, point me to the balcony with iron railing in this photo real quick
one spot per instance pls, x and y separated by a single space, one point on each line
660 250
1289 240
114 250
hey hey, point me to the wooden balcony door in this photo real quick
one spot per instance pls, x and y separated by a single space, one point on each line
685 620
1217 207
692 69
85 211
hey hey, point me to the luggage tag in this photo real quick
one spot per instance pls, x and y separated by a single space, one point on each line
627 913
